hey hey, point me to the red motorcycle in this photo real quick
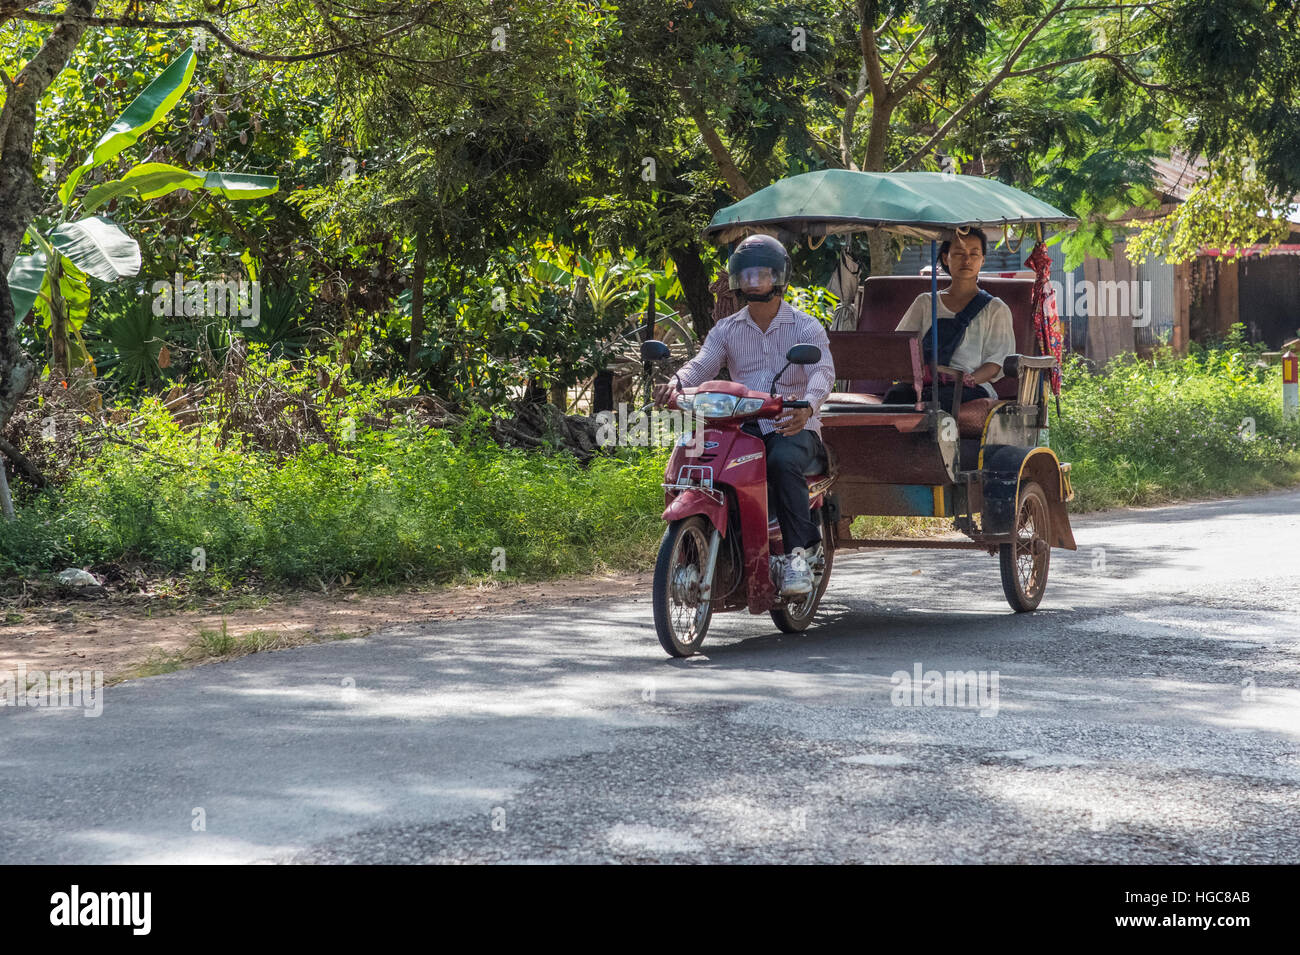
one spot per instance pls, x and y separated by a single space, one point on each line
715 552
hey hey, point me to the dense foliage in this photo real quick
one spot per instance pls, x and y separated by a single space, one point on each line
383 499
386 499
1153 431
477 203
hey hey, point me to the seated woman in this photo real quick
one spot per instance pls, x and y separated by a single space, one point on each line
975 330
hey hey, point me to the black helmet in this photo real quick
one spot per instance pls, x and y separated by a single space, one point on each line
759 252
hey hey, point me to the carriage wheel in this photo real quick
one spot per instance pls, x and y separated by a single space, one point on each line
625 355
1024 563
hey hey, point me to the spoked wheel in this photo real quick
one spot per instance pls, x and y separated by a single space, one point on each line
676 334
624 357
1024 563
681 617
795 617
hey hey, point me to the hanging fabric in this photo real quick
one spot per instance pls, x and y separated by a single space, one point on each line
1047 320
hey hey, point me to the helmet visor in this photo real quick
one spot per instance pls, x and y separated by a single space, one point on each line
757 277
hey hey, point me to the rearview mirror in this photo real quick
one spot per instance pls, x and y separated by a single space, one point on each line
804 355
654 350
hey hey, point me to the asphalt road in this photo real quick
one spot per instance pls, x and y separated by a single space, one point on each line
1148 712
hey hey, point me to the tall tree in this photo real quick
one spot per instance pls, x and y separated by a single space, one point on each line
297 35
1066 97
20 197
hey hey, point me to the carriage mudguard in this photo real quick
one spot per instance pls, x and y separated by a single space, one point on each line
1006 467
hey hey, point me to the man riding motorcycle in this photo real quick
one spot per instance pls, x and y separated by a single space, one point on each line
752 343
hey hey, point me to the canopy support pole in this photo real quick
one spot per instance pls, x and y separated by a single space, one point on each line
934 326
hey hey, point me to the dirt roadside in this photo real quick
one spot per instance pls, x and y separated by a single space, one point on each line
97 635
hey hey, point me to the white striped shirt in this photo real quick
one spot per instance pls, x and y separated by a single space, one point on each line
754 357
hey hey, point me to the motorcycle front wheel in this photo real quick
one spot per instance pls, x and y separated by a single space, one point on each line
681 617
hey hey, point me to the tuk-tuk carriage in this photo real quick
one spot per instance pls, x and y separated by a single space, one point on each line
978 462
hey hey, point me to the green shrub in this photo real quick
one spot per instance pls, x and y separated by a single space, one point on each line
1151 431
411 503
404 502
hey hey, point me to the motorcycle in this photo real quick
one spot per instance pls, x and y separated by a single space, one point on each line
714 555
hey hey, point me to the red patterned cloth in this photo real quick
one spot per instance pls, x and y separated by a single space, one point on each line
1047 320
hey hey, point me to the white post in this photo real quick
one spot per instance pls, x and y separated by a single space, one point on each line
6 502
1290 388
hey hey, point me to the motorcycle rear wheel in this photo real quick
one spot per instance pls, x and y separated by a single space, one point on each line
795 617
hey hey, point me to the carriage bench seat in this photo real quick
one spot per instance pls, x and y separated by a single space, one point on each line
970 419
849 401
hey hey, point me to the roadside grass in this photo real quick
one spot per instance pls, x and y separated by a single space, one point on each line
899 527
1173 429
217 646
404 506
200 516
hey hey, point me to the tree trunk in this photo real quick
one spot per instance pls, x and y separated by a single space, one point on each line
882 256
417 302
16 371
695 279
6 502
19 195
602 392
60 363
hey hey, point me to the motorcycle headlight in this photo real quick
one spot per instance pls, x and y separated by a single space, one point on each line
749 405
685 402
713 404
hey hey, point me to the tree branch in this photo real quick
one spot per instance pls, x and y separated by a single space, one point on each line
983 92
1112 57
907 53
224 38
871 52
917 78
21 462
717 148
854 101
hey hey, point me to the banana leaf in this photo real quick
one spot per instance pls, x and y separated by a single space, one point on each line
26 276
153 179
145 112
98 247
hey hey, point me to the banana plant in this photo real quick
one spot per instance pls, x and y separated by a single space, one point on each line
54 278
611 283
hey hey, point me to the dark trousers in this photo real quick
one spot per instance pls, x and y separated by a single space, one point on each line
788 460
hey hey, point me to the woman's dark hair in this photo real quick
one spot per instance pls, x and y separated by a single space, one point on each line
947 244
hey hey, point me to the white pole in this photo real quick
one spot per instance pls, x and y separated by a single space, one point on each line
1290 388
6 502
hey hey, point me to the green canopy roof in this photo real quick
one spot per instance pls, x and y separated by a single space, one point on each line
920 204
